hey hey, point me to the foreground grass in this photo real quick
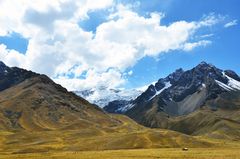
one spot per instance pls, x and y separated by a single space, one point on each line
127 140
166 153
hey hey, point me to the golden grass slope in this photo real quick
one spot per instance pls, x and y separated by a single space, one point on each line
39 104
218 118
169 153
127 135
38 115
39 118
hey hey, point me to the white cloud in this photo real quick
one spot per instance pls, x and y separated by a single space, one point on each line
191 46
58 47
232 23
210 20
130 73
109 79
11 57
206 35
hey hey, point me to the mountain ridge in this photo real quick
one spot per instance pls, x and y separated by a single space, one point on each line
38 115
201 76
204 100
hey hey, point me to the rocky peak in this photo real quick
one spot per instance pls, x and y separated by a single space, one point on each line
2 64
174 77
203 82
206 68
3 67
232 74
200 74
145 96
183 92
12 76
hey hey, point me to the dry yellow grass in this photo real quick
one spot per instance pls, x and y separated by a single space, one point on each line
44 121
91 143
170 153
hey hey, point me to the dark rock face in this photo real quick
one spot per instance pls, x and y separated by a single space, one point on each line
174 77
10 76
161 83
145 96
116 106
3 68
232 74
181 92
187 92
192 80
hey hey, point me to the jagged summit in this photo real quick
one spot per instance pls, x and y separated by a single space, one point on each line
3 68
2 64
183 92
204 63
11 76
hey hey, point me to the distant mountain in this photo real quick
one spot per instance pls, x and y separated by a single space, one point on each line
183 92
183 99
102 96
204 81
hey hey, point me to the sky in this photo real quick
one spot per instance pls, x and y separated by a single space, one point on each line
83 44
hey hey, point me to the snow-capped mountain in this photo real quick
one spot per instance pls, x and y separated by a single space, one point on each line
102 96
181 92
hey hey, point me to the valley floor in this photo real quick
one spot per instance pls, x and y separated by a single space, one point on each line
127 140
166 153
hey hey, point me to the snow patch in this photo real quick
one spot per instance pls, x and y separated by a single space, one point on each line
203 85
125 108
167 85
102 96
224 86
234 84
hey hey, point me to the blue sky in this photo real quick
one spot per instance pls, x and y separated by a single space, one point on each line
15 41
224 52
37 45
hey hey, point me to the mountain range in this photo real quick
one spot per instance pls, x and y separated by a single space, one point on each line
200 101
205 79
38 115
192 109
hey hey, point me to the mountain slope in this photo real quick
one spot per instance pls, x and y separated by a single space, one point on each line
184 92
38 115
43 117
191 102
39 104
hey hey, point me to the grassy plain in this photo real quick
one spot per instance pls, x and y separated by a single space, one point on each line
163 153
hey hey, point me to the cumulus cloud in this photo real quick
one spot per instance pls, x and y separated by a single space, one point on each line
79 59
230 24
11 57
109 79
